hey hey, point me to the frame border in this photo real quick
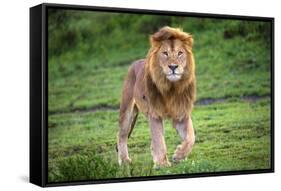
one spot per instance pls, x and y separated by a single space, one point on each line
42 172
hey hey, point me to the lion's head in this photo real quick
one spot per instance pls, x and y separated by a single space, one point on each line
170 58
169 73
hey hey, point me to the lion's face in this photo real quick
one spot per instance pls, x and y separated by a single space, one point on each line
172 59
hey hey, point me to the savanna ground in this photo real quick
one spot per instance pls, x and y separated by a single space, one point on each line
89 54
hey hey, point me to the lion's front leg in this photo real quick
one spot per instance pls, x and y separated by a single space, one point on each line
158 146
185 129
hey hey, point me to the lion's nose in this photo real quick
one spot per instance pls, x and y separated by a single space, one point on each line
173 67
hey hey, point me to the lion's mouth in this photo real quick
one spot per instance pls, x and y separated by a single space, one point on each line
173 77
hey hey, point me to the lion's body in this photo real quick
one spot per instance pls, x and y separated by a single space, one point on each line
175 102
148 90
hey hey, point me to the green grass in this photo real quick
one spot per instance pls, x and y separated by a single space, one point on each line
229 136
89 55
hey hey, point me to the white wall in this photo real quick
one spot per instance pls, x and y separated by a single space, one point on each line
14 96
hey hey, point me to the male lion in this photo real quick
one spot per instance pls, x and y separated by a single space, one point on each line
161 86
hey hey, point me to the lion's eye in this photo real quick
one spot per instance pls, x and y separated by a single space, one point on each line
165 53
180 53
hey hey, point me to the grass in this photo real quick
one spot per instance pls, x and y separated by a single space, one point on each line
229 136
86 72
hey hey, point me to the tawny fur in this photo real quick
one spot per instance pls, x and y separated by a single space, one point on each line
147 90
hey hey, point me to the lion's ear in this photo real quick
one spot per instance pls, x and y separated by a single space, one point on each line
153 42
156 38
188 40
167 33
163 34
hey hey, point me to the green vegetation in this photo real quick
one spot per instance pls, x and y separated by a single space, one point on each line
89 54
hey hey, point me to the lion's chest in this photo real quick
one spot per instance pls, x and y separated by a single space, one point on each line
175 107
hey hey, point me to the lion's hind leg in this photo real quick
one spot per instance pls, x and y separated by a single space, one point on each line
126 124
127 117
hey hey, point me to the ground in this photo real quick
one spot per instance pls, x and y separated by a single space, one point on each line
231 116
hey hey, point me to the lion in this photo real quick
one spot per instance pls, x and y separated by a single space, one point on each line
162 86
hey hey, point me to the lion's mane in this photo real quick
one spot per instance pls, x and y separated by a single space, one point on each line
169 99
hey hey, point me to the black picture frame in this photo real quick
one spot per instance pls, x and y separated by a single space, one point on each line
39 93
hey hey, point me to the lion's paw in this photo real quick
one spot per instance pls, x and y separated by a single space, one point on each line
178 155
177 159
124 161
158 165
